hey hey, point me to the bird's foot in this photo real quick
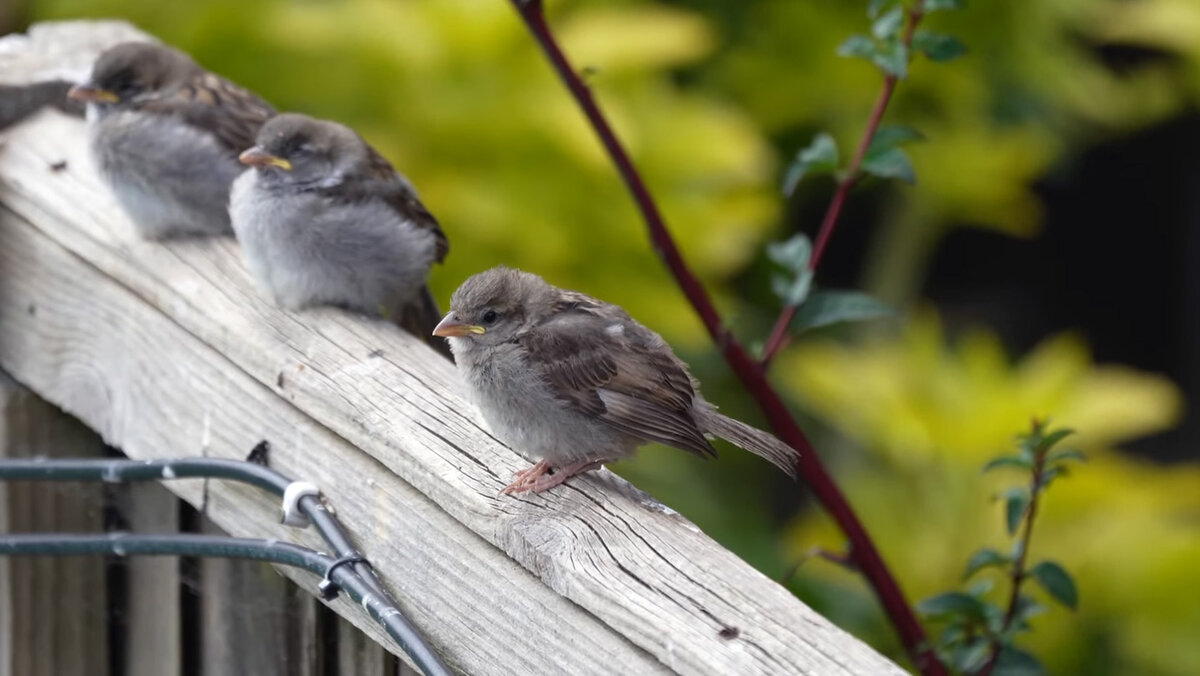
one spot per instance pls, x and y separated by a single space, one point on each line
535 479
525 477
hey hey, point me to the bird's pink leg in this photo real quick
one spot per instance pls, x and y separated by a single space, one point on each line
539 484
526 476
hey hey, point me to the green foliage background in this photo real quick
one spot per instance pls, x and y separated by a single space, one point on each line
712 97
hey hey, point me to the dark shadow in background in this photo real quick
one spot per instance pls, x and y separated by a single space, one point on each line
1118 259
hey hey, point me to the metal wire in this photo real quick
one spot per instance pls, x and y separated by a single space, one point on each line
121 470
134 544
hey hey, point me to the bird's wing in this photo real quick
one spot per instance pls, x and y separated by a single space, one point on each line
380 180
602 363
217 106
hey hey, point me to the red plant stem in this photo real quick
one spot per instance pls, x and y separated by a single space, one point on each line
1018 574
779 333
862 550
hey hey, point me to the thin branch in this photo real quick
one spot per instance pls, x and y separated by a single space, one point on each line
779 333
862 549
1017 573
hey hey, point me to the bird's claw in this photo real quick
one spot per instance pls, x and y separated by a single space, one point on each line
524 480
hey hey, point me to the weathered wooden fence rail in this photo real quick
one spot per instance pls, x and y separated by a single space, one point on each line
167 350
144 616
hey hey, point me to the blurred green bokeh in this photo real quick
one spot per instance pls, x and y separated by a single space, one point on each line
712 97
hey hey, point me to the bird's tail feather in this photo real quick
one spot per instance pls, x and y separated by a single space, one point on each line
758 442
420 317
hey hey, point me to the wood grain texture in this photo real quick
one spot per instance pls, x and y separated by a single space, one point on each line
379 421
358 654
153 631
253 621
93 346
53 610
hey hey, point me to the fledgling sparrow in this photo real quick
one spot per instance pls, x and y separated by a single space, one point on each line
323 219
18 102
576 382
166 135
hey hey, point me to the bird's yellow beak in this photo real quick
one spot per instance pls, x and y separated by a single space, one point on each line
450 327
257 157
93 94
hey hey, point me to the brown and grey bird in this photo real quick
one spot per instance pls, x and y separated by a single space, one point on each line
18 102
323 219
166 135
577 382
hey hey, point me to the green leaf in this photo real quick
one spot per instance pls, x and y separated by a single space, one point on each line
884 159
875 7
985 558
980 588
1026 608
935 5
1014 508
892 135
1008 461
820 156
1047 442
952 635
831 307
859 46
1025 449
970 657
792 253
890 163
1066 454
1057 582
952 603
892 57
792 291
993 617
1049 475
937 46
1014 662
1018 546
888 24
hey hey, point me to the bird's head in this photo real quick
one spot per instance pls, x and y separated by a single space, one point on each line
132 71
293 149
493 307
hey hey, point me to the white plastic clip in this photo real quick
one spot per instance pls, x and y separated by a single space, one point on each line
292 516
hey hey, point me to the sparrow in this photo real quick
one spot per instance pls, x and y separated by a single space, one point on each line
577 382
323 219
166 135
18 102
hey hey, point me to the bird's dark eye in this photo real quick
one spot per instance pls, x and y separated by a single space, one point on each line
489 317
123 83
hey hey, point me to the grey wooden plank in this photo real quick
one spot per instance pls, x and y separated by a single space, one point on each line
156 392
254 621
642 571
153 632
53 611
357 653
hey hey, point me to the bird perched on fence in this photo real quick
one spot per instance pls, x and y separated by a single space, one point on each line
575 381
166 135
323 219
18 102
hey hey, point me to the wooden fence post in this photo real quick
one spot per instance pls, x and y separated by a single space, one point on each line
255 621
153 629
53 611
